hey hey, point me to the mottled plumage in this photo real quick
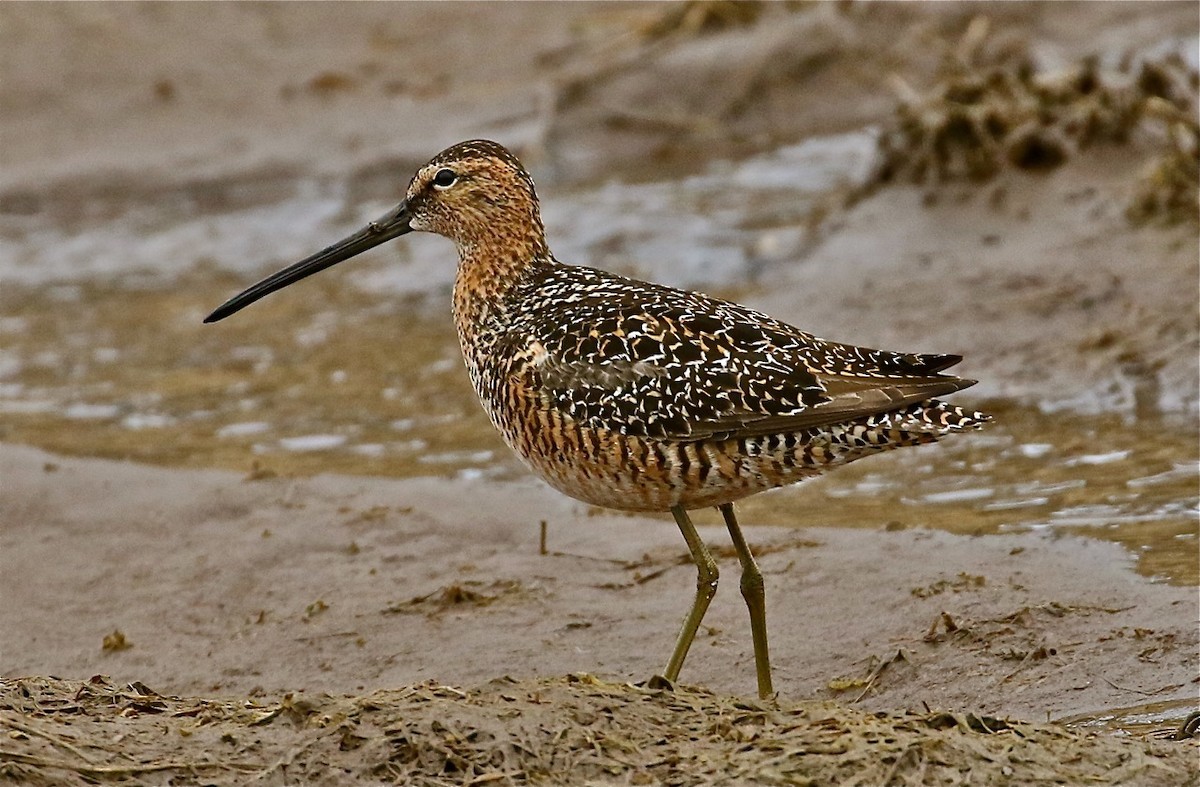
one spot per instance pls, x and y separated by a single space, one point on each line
636 396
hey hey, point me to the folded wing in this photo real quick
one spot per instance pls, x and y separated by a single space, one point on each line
677 365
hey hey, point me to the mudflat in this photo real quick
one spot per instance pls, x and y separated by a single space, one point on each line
293 551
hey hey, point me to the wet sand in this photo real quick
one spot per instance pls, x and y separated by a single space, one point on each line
342 584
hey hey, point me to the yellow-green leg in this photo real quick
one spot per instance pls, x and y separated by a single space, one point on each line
706 588
756 601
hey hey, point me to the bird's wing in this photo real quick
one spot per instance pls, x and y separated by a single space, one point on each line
653 361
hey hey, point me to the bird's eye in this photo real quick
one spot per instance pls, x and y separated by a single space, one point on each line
445 178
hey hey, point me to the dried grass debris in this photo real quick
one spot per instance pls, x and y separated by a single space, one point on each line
572 730
979 120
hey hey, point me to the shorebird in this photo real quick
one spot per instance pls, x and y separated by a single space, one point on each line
636 396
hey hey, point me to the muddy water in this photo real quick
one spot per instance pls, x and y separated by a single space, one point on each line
1130 481
1157 719
331 379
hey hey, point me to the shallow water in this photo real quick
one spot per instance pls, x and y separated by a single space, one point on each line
331 379
1105 476
1156 719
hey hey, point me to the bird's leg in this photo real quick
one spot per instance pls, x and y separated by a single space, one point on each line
756 602
706 588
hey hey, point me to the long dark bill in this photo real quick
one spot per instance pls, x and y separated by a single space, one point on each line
392 225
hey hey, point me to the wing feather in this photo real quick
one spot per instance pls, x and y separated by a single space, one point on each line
653 361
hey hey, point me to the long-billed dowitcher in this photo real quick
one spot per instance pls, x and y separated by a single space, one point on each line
636 396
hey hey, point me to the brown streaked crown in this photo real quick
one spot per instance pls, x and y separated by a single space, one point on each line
491 201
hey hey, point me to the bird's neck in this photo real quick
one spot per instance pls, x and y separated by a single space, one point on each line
491 270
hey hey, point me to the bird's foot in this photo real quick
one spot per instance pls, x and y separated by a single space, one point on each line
658 683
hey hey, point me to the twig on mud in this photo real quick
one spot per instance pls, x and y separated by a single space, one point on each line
118 770
331 635
613 560
644 578
1135 691
879 671
1032 655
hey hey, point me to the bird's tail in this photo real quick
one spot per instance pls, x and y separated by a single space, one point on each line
938 416
916 424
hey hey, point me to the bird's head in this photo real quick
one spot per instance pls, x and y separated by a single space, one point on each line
475 193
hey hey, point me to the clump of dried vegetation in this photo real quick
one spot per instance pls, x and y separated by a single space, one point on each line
572 730
977 120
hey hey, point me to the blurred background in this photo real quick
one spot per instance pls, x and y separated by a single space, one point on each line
1014 182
